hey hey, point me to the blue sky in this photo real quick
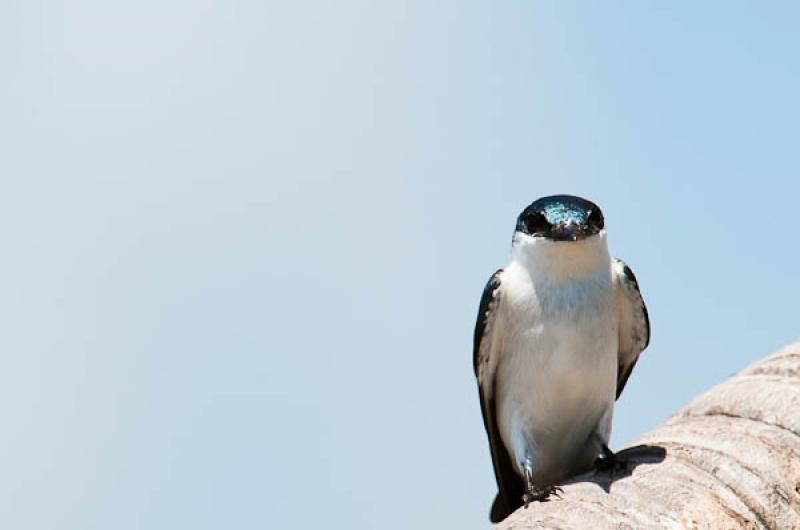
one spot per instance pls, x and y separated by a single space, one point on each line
244 242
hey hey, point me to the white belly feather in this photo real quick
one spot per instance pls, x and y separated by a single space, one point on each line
556 380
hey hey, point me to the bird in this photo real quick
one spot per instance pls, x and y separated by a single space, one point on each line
558 332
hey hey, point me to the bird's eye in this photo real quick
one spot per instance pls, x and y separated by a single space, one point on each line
596 219
536 223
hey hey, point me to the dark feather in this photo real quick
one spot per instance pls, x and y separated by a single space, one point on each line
484 310
509 483
634 323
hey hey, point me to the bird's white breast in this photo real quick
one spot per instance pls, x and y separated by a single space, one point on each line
556 377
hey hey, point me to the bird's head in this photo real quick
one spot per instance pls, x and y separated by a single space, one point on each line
562 238
561 218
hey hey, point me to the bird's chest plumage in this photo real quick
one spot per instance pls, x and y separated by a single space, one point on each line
556 377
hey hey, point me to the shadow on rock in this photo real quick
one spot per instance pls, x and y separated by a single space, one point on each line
630 459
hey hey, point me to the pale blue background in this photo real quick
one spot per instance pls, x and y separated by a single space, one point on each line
243 242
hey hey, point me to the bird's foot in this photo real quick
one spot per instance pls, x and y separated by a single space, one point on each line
535 494
609 462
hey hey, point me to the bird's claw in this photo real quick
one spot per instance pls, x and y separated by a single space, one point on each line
541 494
611 464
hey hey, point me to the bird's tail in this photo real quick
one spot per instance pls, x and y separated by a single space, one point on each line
500 510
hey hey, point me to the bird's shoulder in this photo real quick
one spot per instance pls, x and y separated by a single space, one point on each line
487 309
627 287
623 274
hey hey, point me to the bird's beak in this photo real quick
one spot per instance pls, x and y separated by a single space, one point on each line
568 231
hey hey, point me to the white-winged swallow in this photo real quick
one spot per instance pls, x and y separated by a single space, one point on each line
559 330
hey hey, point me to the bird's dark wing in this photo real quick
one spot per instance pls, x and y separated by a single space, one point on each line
634 324
486 319
485 352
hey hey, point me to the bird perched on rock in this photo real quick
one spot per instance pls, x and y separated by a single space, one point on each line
559 330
